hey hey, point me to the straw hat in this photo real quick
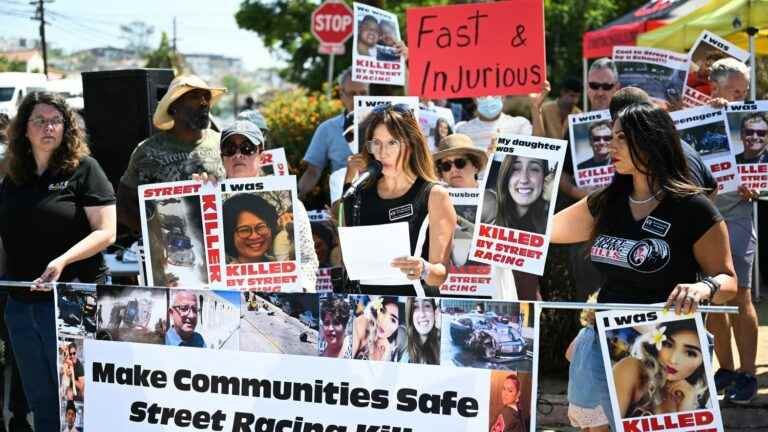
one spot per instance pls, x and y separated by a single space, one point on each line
179 86
457 145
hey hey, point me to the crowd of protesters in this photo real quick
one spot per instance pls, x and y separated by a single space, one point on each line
55 194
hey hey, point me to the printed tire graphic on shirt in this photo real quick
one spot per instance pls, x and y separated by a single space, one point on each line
645 256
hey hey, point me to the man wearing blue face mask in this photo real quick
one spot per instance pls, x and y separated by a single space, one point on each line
489 120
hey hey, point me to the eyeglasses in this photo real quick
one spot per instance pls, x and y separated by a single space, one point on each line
248 148
246 231
185 309
445 166
398 108
41 122
603 138
757 132
375 146
601 86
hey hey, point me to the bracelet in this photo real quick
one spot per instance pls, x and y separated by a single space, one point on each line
425 270
713 285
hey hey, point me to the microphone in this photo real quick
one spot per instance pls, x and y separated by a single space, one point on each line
373 170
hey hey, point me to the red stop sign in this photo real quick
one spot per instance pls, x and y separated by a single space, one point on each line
332 22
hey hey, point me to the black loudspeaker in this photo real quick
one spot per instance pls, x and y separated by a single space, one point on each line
119 105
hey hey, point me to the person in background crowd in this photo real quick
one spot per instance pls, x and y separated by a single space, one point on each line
255 117
754 129
324 241
599 136
603 83
408 181
459 162
491 120
441 130
422 317
250 104
730 83
184 145
184 312
555 113
651 178
509 418
241 147
55 195
334 315
328 142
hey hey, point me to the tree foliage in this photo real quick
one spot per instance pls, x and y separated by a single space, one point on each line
284 25
164 57
7 65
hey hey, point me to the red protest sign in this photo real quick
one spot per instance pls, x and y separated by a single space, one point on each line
332 22
477 49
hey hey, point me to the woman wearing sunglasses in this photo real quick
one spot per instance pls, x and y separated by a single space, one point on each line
407 191
458 161
250 223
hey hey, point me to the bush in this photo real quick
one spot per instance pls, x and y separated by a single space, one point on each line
293 116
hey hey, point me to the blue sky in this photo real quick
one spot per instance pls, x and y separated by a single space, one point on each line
231 296
203 26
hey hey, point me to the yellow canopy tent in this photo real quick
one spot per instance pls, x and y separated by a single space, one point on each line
727 18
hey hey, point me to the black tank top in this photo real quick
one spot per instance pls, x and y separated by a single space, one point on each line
412 207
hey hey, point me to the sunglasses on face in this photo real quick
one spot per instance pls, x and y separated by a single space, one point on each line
601 86
757 132
246 231
602 138
445 166
248 148
185 309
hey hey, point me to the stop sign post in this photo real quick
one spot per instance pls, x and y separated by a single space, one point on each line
332 24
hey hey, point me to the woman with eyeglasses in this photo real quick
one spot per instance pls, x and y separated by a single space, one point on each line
459 162
57 213
406 191
251 232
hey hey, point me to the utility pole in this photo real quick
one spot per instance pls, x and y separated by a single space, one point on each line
173 45
40 16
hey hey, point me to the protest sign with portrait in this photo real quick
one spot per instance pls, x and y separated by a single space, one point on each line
590 134
748 123
375 55
659 371
435 123
365 105
518 193
706 130
708 49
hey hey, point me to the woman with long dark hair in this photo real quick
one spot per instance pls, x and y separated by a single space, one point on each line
422 318
57 213
520 194
652 230
407 191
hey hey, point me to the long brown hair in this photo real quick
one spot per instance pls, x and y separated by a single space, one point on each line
506 209
403 127
19 161
655 150
429 352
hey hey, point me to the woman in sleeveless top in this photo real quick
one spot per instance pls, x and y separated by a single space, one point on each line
405 192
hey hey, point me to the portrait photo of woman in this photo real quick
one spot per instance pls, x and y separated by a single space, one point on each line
521 193
334 316
422 318
250 225
376 333
663 373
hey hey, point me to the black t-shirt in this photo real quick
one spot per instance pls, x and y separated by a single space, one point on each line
43 218
644 260
412 207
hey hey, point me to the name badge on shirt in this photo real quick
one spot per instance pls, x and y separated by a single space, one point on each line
401 212
656 226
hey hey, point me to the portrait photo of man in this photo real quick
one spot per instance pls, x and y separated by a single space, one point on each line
184 311
600 134
754 131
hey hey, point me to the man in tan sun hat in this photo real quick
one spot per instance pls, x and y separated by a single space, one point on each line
458 161
184 146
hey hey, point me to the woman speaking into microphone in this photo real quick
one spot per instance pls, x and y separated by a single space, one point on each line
406 191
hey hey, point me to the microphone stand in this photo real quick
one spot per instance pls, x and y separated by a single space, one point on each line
354 286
